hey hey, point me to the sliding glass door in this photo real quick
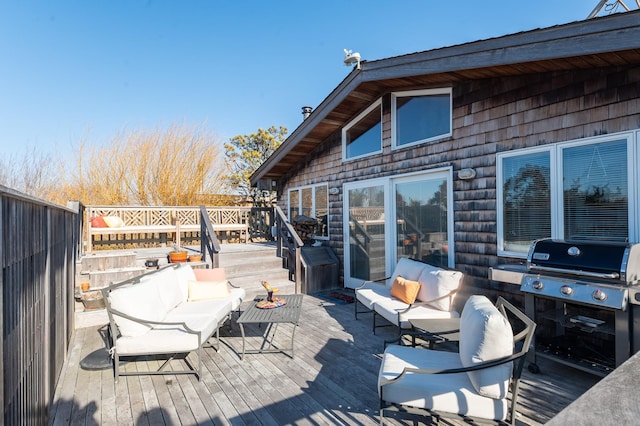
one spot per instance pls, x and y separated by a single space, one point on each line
387 219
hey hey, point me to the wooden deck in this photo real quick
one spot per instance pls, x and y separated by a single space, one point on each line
330 380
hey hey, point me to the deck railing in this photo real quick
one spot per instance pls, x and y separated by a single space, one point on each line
38 248
153 226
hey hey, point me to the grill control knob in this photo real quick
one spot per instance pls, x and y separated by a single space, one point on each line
537 285
599 295
566 290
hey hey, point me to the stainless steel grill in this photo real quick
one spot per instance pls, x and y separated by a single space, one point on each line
583 291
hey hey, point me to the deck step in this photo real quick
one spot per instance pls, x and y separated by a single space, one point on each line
108 260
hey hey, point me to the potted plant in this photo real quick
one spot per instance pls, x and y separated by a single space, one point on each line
177 255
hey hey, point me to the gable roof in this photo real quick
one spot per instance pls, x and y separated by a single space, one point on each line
607 41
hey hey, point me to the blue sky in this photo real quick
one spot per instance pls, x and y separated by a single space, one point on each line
86 70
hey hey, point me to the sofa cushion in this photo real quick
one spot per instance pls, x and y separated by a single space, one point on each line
437 282
407 268
168 289
388 308
98 222
202 290
405 290
140 300
372 293
185 274
485 335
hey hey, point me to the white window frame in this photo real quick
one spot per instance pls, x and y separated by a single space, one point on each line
389 184
359 117
414 93
313 203
557 202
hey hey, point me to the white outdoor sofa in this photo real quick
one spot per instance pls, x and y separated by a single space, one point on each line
435 297
168 312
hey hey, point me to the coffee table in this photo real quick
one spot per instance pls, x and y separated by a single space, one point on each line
288 314
434 330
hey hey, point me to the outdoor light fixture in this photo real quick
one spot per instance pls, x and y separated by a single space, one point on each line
466 174
334 191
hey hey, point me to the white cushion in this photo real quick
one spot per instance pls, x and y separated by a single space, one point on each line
140 300
407 268
452 393
372 293
202 290
485 335
211 310
185 274
437 282
388 308
168 288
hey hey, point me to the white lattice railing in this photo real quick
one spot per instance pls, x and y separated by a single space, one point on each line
165 220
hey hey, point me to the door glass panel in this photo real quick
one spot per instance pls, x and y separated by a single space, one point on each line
421 220
367 233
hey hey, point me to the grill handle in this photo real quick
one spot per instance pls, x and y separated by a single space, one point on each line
611 276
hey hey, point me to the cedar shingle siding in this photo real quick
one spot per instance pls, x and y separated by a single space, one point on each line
489 116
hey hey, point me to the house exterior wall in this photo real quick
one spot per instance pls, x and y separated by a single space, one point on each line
489 116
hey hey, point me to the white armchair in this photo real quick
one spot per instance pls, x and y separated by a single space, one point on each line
472 384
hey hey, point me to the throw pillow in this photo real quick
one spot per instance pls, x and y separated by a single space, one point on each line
435 283
113 221
98 222
405 290
203 290
213 274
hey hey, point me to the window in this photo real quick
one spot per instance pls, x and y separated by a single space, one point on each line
363 135
591 199
311 201
420 116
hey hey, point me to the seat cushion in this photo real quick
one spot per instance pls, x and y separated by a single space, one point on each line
388 308
485 335
185 274
437 282
451 393
372 293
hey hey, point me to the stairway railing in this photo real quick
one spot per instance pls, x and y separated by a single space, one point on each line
208 240
288 244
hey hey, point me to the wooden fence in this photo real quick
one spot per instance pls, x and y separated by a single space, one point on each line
38 247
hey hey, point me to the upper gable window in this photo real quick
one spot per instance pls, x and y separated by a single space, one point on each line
363 135
420 116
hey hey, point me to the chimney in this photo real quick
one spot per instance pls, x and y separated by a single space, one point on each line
306 112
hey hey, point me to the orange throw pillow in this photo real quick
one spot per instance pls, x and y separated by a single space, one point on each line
405 290
98 222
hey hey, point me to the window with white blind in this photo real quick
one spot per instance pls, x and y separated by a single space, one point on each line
573 190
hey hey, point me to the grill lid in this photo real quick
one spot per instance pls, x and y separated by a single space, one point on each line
594 259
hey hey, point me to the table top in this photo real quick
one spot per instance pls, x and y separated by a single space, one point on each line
289 313
447 327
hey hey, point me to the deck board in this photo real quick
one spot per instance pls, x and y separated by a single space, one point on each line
330 380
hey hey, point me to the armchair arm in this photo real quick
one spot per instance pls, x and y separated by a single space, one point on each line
475 367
